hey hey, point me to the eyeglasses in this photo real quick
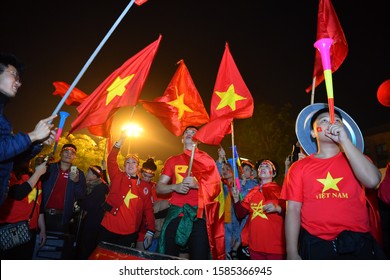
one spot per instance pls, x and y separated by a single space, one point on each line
14 74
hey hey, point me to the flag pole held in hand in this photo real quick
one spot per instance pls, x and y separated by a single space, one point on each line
72 86
191 159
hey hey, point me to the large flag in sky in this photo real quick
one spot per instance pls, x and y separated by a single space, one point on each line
75 98
231 99
328 26
181 104
122 88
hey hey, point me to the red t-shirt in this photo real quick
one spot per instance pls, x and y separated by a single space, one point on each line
266 230
13 211
57 197
332 198
176 168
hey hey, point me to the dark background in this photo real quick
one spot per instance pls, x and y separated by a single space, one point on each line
271 42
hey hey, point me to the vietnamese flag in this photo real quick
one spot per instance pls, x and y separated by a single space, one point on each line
122 88
328 26
210 200
231 99
181 104
75 98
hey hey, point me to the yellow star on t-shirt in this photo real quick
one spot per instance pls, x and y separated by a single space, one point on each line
330 182
128 197
118 87
180 173
229 98
33 194
258 211
180 105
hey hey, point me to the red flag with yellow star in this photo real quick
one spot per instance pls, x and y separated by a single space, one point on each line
328 26
181 104
210 200
231 99
122 88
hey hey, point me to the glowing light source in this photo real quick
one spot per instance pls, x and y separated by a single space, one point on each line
132 129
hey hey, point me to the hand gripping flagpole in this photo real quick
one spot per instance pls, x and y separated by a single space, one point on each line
323 46
72 86
63 116
191 160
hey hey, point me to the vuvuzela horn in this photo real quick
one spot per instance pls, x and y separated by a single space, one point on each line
63 116
323 46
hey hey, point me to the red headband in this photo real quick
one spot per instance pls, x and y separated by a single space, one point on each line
270 163
147 170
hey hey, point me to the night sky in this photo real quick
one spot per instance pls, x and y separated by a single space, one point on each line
270 41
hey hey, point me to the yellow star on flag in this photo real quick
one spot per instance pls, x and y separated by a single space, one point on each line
330 182
180 105
229 98
118 87
33 194
258 211
220 199
128 197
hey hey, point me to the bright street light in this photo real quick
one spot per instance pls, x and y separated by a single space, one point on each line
132 129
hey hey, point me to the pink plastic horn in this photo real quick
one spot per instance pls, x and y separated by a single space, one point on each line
323 46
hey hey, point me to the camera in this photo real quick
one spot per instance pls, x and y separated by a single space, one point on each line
73 169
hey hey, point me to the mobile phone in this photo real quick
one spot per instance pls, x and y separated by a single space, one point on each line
73 169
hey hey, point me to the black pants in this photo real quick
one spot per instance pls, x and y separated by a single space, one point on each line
65 232
198 243
127 240
348 245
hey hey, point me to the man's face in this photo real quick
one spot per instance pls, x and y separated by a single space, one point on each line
68 155
188 134
322 123
10 81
